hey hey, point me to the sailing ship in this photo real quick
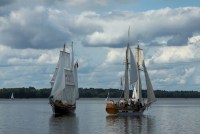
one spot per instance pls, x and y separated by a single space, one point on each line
64 84
132 81
12 96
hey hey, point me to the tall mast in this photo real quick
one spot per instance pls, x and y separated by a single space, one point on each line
128 35
126 90
139 85
72 63
64 48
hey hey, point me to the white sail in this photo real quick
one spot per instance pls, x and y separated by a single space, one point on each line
126 86
12 96
59 75
72 64
140 88
76 80
139 56
108 96
69 96
133 69
74 68
134 95
55 74
64 81
54 77
150 93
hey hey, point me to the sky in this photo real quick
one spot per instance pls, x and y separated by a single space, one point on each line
33 32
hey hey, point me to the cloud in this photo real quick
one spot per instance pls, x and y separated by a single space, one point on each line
173 54
179 24
42 27
115 56
27 67
31 34
6 2
33 28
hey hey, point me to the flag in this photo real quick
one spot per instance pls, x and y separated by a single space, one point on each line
76 64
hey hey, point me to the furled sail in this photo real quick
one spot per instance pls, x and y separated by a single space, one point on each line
139 56
150 94
139 60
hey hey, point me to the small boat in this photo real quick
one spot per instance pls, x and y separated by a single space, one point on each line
108 97
132 81
64 84
12 96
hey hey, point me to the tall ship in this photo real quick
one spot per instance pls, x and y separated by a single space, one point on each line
64 84
135 102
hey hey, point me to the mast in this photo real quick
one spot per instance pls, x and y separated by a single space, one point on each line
126 90
133 73
138 84
72 64
126 86
64 48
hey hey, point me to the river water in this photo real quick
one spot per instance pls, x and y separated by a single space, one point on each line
34 116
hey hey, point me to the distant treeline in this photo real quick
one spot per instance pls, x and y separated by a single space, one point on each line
31 92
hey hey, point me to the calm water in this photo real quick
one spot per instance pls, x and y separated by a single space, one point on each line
34 116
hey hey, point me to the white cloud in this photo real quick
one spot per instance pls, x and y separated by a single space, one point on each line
31 31
115 56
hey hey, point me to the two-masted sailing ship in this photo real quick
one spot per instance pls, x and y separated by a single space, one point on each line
132 81
64 84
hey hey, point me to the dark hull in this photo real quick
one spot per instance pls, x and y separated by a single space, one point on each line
63 110
59 108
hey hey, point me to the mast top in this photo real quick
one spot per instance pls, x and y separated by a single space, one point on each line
128 35
64 48
138 45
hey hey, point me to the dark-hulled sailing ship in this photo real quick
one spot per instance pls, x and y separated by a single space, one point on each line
64 84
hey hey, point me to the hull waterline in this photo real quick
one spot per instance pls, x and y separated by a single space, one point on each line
63 110
114 109
59 108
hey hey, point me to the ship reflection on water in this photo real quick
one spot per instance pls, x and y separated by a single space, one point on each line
126 124
62 124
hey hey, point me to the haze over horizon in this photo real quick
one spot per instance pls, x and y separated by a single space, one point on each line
33 32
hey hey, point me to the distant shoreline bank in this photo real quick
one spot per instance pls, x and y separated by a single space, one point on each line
32 92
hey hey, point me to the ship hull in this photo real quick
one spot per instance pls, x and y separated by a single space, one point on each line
63 110
113 108
59 108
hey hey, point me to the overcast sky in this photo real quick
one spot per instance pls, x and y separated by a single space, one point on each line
33 32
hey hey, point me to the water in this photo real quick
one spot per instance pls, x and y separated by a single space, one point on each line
34 116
